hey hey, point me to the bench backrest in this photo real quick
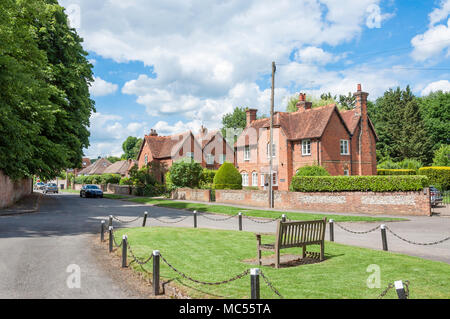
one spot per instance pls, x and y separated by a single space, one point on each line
294 234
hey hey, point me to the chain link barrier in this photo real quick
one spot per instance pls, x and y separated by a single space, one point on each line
262 222
416 243
217 219
126 221
269 284
357 232
170 222
239 276
136 259
114 240
390 286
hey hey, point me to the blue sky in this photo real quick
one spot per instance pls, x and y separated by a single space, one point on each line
175 65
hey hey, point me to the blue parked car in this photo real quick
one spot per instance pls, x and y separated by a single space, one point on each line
91 191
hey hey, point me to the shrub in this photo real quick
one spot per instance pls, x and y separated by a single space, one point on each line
410 163
227 177
251 188
358 183
396 172
149 190
110 179
312 170
169 185
438 176
126 181
388 164
186 174
207 179
442 156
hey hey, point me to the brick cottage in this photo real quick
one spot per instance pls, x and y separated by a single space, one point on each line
208 148
341 141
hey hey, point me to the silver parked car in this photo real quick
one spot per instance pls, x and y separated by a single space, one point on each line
51 188
39 186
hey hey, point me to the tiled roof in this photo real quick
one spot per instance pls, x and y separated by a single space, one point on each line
206 138
97 168
351 119
120 167
162 146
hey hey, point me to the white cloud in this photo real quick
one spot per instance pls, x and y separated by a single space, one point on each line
101 87
314 55
442 85
375 17
441 13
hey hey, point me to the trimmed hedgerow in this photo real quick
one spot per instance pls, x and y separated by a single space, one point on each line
439 176
358 183
227 177
381 171
312 170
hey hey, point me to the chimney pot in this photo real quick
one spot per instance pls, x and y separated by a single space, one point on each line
251 115
359 87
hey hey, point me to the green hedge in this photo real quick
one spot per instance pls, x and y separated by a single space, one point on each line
358 183
439 176
227 177
381 171
98 179
312 170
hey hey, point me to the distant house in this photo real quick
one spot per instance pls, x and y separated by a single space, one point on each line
121 168
97 168
207 148
341 141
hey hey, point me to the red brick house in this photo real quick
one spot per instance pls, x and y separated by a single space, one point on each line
341 141
207 148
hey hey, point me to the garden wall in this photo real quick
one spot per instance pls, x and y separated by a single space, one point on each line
11 191
201 195
395 203
119 189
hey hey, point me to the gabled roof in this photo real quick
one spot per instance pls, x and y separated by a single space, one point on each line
120 167
352 119
165 146
97 168
205 138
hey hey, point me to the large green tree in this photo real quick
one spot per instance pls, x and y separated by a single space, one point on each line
131 147
237 120
435 110
44 90
400 127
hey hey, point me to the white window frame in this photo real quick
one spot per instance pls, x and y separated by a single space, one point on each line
222 158
274 179
244 178
346 172
346 148
146 159
209 159
247 153
306 147
274 150
263 179
254 178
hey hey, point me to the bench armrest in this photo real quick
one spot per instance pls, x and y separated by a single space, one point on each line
264 234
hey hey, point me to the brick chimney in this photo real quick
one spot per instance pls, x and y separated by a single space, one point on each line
153 132
251 116
203 130
302 104
361 102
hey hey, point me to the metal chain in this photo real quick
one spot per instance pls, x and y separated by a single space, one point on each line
357 232
126 221
389 287
136 259
167 222
218 219
269 284
415 243
406 282
262 222
239 276
114 240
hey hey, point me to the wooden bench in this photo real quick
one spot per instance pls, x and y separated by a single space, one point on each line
295 234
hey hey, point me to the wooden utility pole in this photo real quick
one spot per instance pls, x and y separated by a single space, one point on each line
272 101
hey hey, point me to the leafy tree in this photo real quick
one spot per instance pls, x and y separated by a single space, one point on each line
400 127
435 111
442 156
184 173
131 147
236 120
343 102
113 159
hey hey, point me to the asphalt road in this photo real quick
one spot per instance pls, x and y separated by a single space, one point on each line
37 249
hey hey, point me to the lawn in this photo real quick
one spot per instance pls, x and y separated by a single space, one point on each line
73 191
114 196
230 210
215 255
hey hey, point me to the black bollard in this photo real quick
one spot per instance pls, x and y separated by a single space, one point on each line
156 272
110 239
384 238
102 232
124 251
145 219
331 230
254 283
195 219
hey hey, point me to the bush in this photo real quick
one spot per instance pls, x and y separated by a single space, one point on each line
186 174
149 190
388 164
169 185
207 179
126 181
251 188
358 183
312 170
227 177
410 163
396 172
442 156
438 176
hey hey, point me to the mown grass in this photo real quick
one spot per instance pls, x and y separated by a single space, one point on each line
215 255
230 210
73 191
114 196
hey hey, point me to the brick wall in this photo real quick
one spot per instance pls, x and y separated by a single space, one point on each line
12 191
118 189
201 195
392 203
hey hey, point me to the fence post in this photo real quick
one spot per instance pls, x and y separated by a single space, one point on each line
156 272
102 232
110 220
400 290
110 238
283 218
145 219
195 219
254 283
124 251
383 237
240 220
331 230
